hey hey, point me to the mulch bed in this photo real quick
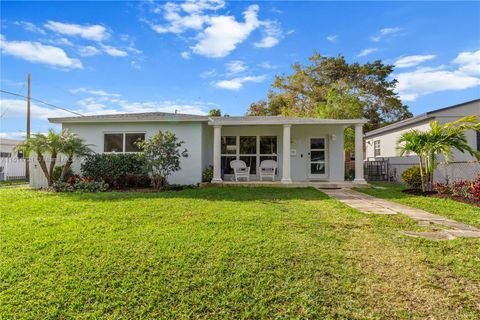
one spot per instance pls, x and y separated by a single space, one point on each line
433 194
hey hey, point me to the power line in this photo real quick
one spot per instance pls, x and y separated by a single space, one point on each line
40 101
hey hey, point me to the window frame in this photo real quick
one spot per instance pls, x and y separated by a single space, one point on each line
124 140
478 140
257 155
375 149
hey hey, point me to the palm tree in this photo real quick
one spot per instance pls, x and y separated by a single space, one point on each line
72 146
54 144
38 144
439 139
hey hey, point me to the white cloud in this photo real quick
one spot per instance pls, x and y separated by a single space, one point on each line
272 35
237 83
385 32
19 135
90 32
30 27
88 51
469 62
185 55
37 52
224 33
267 65
366 52
101 93
332 38
424 81
410 61
17 109
114 52
216 35
235 66
209 73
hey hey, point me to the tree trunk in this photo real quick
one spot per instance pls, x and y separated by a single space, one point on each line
43 166
53 160
159 182
66 167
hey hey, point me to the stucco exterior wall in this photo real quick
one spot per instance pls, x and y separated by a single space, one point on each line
189 132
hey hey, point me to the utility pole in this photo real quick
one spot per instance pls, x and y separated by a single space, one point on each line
27 162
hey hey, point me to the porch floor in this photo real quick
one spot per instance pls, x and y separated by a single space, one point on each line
293 184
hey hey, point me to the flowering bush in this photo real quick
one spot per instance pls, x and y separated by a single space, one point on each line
475 189
442 188
412 177
461 188
75 183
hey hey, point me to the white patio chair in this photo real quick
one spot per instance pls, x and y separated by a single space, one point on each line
268 169
240 169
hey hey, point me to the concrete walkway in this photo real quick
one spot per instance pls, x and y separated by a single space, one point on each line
442 228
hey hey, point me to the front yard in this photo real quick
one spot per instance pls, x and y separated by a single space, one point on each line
221 253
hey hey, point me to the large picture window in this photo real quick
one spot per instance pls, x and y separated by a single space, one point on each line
122 142
251 149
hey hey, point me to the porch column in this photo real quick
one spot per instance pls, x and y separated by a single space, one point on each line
217 142
286 154
359 154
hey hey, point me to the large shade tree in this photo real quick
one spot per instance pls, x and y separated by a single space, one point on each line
330 87
438 140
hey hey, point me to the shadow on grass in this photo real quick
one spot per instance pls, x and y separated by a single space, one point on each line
211 193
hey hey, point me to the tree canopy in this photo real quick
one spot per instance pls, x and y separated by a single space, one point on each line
330 87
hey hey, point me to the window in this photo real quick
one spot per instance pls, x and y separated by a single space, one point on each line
478 140
251 149
131 140
376 148
5 154
122 142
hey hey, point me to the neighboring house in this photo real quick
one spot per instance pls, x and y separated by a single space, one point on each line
12 164
382 143
306 149
7 148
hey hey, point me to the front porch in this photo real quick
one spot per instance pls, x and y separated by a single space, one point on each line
293 184
307 151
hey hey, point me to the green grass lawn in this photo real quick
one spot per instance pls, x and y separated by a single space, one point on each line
445 207
12 183
220 253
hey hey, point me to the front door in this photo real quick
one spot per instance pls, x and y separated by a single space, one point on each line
317 166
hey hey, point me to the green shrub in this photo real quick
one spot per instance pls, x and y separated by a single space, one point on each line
207 174
113 168
412 177
62 186
90 186
57 172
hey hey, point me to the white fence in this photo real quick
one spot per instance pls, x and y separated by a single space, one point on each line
37 177
12 169
454 171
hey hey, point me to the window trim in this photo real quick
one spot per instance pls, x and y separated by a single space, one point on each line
123 133
375 148
478 140
257 155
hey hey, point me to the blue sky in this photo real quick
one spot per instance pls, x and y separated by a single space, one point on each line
104 57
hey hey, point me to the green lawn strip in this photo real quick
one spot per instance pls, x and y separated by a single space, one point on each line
12 183
219 253
455 210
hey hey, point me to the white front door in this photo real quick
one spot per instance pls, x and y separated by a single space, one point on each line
317 164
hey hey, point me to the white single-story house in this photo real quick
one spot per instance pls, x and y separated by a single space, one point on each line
382 143
7 148
305 149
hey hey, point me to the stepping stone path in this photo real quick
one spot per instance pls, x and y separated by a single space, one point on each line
442 228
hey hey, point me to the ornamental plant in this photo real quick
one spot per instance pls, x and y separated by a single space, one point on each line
162 154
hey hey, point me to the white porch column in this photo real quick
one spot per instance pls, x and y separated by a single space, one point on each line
286 178
217 144
359 154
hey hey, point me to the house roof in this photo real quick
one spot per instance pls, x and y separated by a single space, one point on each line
12 142
419 118
278 120
135 117
179 117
